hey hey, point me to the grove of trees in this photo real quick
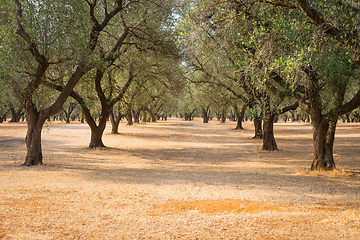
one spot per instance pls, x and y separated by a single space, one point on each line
145 60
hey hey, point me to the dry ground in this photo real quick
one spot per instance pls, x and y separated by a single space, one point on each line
178 179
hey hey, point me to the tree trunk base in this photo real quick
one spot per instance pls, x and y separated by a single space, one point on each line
322 165
270 148
95 146
33 160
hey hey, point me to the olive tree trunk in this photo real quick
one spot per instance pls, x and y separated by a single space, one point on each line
323 141
115 122
269 143
258 128
96 136
34 154
240 116
205 113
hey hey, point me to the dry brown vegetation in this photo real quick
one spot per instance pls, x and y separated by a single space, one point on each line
178 179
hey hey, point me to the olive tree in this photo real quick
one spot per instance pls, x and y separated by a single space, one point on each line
57 34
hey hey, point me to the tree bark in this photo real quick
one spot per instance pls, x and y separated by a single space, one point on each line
96 136
15 114
3 118
240 116
205 111
258 128
115 122
323 141
129 116
323 125
69 111
223 115
269 143
35 123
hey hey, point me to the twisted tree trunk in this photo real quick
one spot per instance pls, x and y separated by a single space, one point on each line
258 128
269 143
323 141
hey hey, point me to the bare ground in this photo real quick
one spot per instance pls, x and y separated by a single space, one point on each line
178 179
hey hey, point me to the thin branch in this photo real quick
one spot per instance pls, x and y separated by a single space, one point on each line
22 33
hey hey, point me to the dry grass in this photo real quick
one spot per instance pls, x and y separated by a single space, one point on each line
177 179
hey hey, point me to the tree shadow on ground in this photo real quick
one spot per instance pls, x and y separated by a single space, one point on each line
235 163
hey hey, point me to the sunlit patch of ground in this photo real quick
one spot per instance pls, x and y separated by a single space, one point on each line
178 179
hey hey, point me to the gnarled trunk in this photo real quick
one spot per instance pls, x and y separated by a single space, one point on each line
269 143
258 128
96 136
114 122
33 139
240 116
3 118
205 114
323 141
223 115
15 114
136 115
129 117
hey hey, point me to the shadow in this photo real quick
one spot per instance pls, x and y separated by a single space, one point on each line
266 179
234 162
9 142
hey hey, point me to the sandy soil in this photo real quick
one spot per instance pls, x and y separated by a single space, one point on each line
178 180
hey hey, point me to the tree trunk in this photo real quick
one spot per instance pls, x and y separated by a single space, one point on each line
205 115
96 135
136 115
114 122
240 117
129 117
258 128
15 114
347 115
33 139
3 118
153 117
276 118
323 141
292 116
145 117
69 111
269 143
223 115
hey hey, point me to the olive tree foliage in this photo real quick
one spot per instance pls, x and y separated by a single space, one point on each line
148 40
57 40
205 96
187 106
7 94
232 47
319 64
160 90
280 53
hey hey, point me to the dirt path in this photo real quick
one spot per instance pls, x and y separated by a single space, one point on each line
178 179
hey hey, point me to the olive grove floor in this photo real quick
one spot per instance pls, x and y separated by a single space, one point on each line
178 180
